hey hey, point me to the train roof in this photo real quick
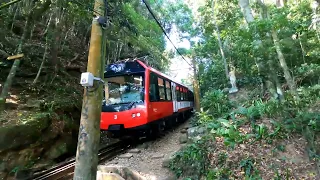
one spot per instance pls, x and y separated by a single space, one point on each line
145 66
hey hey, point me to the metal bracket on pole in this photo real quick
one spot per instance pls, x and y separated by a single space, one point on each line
102 21
87 79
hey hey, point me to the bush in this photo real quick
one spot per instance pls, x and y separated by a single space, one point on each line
216 103
192 160
308 74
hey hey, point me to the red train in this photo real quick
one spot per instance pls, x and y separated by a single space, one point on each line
142 99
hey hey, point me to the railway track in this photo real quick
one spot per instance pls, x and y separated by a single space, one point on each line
65 170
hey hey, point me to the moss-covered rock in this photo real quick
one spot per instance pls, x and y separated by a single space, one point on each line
57 149
12 161
14 136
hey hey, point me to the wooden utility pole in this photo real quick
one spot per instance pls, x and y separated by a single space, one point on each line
196 86
89 131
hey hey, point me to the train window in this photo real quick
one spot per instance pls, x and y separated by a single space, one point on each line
182 94
161 89
168 91
124 89
153 88
178 94
186 95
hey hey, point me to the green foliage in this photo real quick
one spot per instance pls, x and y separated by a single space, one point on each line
308 74
228 130
247 46
248 167
216 103
192 160
219 173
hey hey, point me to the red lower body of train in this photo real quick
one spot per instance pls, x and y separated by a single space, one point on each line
140 99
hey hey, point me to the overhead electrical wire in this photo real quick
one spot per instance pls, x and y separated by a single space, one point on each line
154 17
165 33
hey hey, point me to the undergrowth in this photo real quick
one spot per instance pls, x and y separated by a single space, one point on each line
268 121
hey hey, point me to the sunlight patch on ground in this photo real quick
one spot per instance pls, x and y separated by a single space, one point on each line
12 99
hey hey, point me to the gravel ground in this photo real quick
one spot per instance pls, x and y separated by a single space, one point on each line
147 158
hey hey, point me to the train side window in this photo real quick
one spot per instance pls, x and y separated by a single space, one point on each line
153 88
178 94
168 91
186 94
182 94
161 89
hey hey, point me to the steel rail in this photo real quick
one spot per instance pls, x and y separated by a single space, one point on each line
65 170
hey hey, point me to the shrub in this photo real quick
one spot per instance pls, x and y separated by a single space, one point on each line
308 74
192 160
216 103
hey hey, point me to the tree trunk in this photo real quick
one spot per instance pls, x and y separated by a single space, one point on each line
196 87
276 83
282 61
35 13
263 69
14 17
14 68
9 4
220 43
42 62
48 25
119 52
302 49
31 32
55 40
246 10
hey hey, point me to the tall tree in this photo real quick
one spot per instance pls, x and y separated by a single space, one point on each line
35 13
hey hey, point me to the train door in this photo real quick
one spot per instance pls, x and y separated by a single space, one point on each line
174 97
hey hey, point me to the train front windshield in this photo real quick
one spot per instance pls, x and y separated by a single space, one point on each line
124 89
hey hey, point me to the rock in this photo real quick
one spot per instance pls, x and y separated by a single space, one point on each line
242 146
157 156
171 177
166 163
144 146
20 158
14 136
32 104
2 166
196 131
123 172
201 130
23 174
57 149
226 90
126 156
197 137
108 176
184 131
134 151
183 139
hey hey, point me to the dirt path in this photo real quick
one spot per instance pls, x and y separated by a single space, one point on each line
148 158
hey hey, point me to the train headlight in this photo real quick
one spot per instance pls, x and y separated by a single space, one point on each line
133 115
138 114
